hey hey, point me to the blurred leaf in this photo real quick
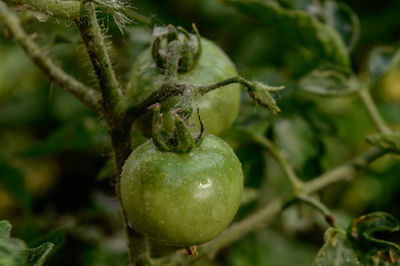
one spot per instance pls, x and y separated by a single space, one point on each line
387 141
13 251
382 59
73 135
329 83
62 38
5 229
103 257
266 247
337 250
294 138
14 181
36 256
249 194
108 170
57 237
323 42
344 20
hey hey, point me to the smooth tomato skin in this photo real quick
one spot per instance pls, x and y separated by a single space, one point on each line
218 109
182 199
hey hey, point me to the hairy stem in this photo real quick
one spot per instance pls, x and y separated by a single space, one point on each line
112 99
373 111
207 88
270 211
114 107
54 8
86 95
287 168
136 243
170 88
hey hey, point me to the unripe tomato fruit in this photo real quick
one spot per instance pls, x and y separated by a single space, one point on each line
182 199
218 109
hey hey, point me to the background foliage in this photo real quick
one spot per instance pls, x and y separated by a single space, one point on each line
55 171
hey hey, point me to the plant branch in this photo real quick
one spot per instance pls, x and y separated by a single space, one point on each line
54 8
170 88
317 204
373 111
114 108
201 90
270 211
345 171
287 168
86 95
112 99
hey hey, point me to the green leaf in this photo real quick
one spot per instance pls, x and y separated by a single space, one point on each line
330 82
387 141
14 181
57 237
5 229
376 237
344 20
323 42
77 134
13 251
294 137
337 250
364 230
37 256
108 170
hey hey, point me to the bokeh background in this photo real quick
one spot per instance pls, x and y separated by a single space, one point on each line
56 171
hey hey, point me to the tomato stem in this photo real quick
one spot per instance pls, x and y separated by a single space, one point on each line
373 111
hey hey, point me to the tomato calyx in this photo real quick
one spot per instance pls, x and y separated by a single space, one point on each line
181 140
186 47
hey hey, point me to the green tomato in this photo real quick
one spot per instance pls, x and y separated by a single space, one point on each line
218 109
182 199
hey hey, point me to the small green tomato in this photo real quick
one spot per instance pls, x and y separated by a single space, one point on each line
218 109
182 199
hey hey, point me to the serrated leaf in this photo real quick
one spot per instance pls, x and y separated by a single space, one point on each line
330 82
323 42
14 252
337 250
387 141
37 256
